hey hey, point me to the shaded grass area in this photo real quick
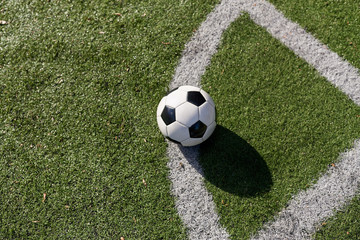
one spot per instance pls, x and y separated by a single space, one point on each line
237 167
294 120
81 155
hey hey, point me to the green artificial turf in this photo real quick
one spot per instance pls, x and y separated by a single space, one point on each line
345 225
337 24
81 154
280 126
334 22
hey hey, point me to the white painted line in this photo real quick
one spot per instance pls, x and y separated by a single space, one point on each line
306 211
336 70
303 214
199 50
194 203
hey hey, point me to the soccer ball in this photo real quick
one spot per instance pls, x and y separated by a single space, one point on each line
186 116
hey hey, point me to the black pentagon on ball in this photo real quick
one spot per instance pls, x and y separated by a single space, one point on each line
197 130
195 98
168 115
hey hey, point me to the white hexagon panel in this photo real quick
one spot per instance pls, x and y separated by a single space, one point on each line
207 113
177 132
187 114
162 126
207 97
160 107
192 142
175 98
210 129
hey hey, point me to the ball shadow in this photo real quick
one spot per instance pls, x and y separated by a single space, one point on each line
233 165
